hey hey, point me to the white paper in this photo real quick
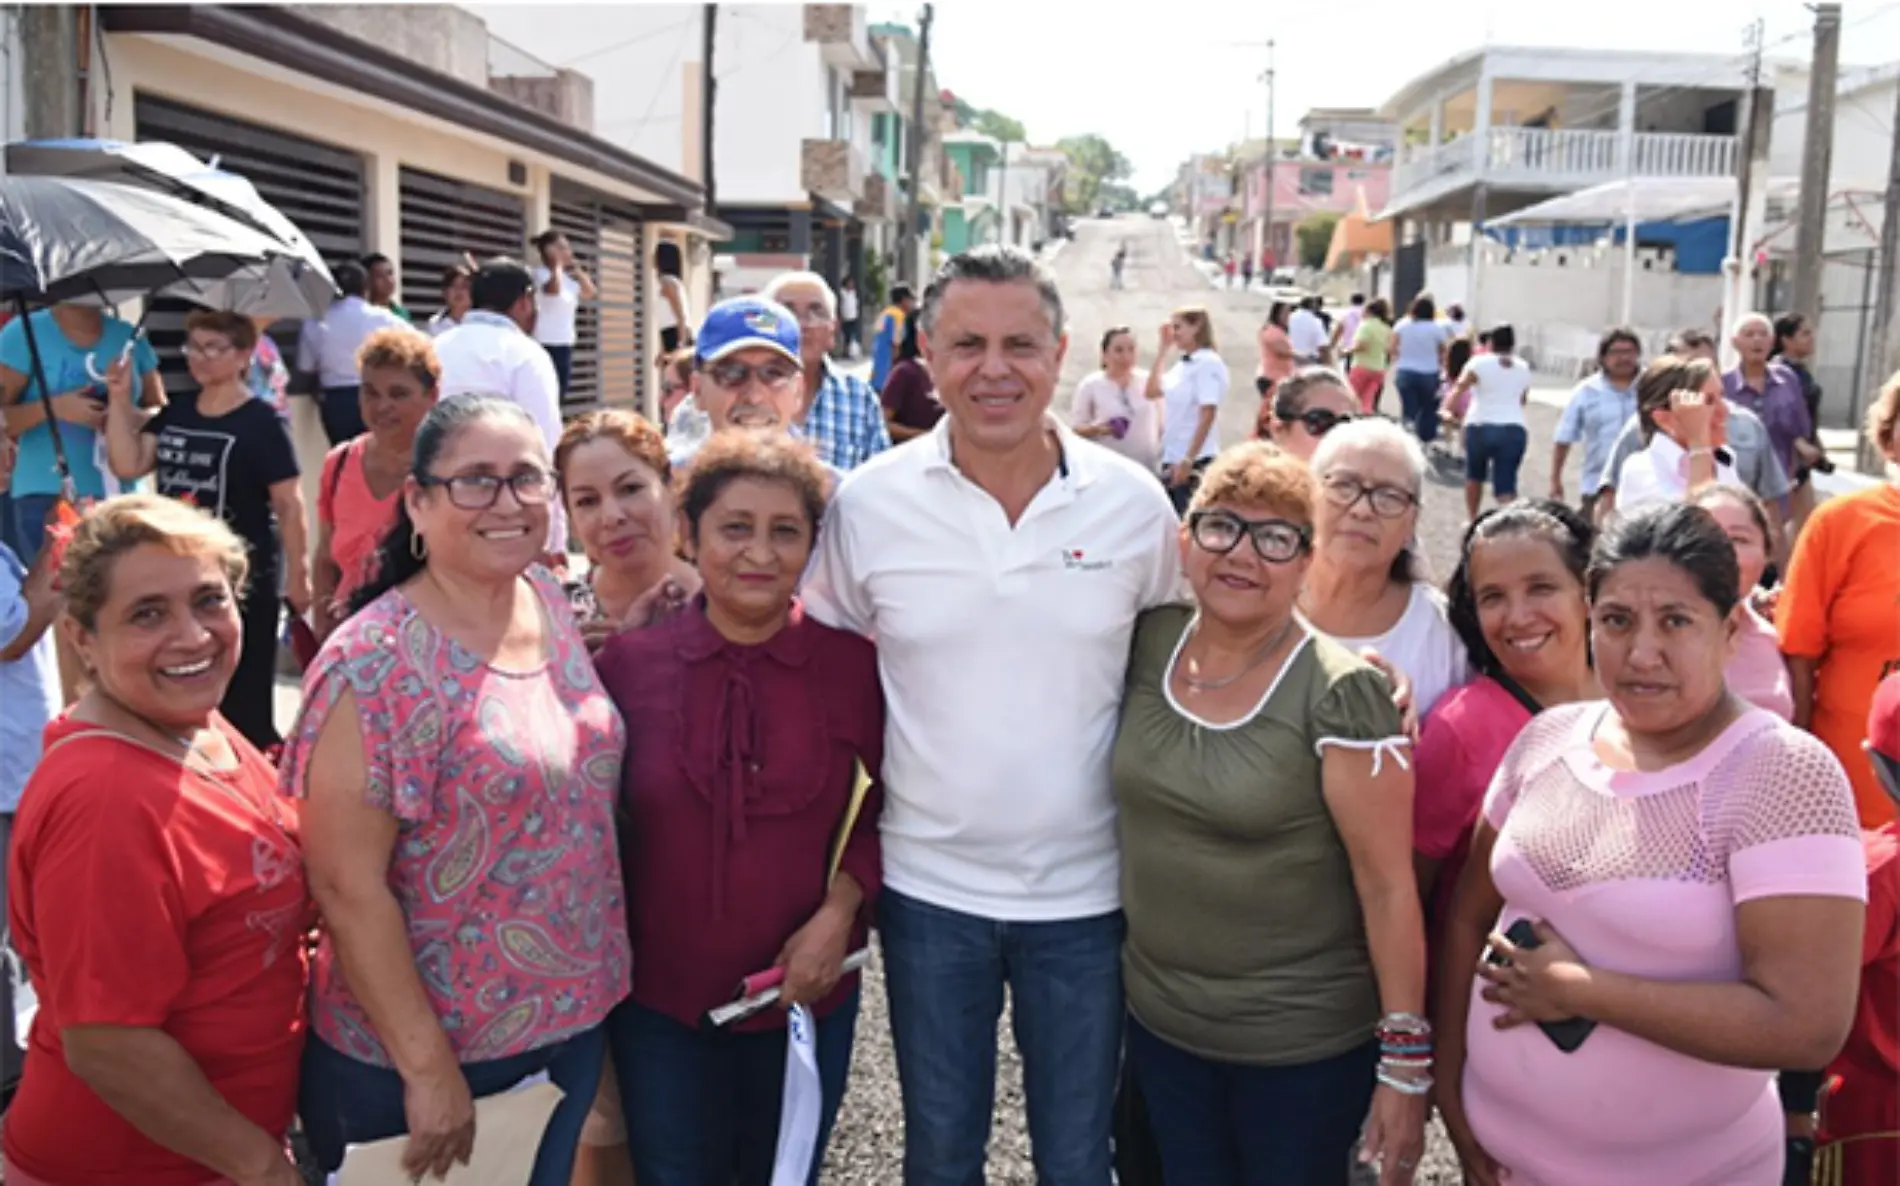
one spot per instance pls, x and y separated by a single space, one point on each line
26 1002
803 1103
508 1129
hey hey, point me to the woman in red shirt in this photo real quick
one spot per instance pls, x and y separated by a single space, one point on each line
157 884
747 727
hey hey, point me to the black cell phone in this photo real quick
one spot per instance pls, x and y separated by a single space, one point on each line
1567 1034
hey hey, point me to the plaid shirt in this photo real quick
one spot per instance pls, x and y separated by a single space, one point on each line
846 421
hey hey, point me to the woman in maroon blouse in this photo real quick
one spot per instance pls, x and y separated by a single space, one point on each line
747 724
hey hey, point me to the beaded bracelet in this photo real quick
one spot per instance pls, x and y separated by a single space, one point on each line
1406 1061
1410 1024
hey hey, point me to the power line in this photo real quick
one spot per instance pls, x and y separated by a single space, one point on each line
636 39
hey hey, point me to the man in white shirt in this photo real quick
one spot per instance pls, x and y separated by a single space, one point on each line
1307 333
492 352
327 349
1000 563
559 289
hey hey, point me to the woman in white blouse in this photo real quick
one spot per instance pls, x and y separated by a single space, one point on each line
1684 421
1191 392
1366 587
1112 407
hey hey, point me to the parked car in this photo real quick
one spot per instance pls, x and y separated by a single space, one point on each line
1158 210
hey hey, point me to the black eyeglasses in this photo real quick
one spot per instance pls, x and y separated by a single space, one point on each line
1274 540
479 492
1320 421
735 375
1387 502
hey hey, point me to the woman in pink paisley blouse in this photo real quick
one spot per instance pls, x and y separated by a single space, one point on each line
459 763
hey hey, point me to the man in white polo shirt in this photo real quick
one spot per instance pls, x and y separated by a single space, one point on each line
1000 562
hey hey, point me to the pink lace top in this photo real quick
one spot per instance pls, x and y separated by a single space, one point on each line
1642 873
506 863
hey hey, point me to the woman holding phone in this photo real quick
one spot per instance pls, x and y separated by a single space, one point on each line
1670 886
1112 407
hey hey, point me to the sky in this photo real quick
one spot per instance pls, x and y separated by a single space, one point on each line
1163 88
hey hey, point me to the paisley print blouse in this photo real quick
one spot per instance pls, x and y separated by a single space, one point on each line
506 865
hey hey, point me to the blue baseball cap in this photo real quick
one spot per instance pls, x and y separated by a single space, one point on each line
743 323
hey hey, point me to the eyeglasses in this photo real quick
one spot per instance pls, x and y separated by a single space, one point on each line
479 492
1274 540
1387 502
207 349
1320 421
735 375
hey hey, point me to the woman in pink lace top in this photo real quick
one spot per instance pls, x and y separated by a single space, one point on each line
1690 868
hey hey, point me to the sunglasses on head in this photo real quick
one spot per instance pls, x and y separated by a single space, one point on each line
1319 421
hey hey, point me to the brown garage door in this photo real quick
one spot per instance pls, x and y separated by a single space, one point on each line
609 243
441 219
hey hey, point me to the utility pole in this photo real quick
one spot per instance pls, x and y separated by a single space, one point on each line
1886 302
1816 160
1750 202
1272 260
49 57
709 102
908 265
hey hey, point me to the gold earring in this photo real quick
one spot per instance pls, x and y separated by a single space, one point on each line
418 547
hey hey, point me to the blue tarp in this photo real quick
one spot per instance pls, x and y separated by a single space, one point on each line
1700 244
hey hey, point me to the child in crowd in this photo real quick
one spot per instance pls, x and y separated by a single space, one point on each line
1858 1138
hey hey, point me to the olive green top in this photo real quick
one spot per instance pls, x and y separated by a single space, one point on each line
1245 940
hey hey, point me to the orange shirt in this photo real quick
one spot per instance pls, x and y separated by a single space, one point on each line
1841 608
357 519
146 893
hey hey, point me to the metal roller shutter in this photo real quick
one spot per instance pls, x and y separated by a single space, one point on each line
441 219
609 242
317 186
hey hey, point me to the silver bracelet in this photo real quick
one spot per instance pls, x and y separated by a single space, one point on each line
1421 1086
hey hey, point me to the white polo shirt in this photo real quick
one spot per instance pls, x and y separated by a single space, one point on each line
1003 652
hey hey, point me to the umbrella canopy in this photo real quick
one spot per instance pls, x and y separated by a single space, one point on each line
1648 199
70 239
294 283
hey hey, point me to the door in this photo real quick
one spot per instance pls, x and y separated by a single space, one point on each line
317 186
441 219
1408 274
609 240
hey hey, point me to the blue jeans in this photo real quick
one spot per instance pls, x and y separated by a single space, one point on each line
1494 452
1252 1126
29 524
341 410
345 1102
1418 401
563 359
945 973
702 1106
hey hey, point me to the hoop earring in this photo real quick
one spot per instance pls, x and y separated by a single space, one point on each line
418 547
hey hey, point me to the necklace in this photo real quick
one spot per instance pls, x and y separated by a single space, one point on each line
1259 657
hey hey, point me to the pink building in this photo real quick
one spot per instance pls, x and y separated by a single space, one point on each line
1305 186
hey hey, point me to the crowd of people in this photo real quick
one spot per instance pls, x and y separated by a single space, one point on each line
1591 847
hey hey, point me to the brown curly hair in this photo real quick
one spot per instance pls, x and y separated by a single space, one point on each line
404 348
118 525
734 454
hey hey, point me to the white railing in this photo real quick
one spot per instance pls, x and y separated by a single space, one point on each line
1577 156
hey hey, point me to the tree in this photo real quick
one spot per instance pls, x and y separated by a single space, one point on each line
1315 235
1093 162
991 123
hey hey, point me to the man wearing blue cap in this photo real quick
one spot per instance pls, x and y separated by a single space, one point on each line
746 370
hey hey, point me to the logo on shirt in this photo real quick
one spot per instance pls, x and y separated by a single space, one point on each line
763 320
1077 560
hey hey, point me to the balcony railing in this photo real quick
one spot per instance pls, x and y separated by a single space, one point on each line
1557 159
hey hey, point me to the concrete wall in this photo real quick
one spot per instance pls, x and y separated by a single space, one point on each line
644 59
12 74
442 37
1863 133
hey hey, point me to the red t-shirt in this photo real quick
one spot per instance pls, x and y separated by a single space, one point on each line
1863 1096
146 893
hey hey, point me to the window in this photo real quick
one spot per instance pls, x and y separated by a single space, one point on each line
1316 182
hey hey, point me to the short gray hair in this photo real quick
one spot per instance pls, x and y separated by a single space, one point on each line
993 263
1372 432
785 280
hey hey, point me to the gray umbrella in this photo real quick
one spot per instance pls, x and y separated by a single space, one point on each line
292 282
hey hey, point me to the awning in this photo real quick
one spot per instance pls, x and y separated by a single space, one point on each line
1654 199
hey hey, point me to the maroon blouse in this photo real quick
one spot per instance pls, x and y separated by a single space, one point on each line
740 765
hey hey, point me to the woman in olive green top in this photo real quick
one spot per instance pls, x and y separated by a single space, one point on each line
1275 956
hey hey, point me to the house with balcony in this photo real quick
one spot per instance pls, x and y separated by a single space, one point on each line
1501 128
890 134
974 217
1341 160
